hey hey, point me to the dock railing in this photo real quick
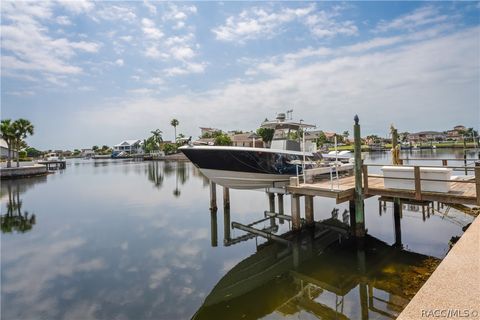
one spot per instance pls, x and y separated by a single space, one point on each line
417 178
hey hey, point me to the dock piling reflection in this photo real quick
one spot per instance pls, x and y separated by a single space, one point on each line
213 228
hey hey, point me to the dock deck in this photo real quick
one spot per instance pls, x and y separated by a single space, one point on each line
344 190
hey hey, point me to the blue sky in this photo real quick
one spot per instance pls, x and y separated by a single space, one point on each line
90 73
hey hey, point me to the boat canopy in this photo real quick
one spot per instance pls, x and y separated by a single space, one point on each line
279 125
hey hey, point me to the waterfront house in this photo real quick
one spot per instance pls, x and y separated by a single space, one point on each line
424 136
204 142
129 147
86 153
456 133
4 150
208 131
246 140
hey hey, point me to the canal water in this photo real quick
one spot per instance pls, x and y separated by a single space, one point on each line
118 239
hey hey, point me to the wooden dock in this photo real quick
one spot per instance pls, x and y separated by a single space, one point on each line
54 164
462 191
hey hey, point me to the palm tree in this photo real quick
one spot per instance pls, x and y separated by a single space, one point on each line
174 123
157 137
8 134
21 129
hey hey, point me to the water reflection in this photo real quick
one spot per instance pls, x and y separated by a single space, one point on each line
319 275
16 219
156 172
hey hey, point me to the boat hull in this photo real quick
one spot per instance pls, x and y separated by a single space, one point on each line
246 168
246 180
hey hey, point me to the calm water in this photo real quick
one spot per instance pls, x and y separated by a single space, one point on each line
136 240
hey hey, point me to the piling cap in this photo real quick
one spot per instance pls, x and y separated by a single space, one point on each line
356 119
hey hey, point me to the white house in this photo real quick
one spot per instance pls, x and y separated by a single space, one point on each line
129 146
87 153
4 150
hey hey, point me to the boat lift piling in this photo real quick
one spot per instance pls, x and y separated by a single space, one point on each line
271 205
296 222
397 208
226 198
280 207
359 205
309 210
213 196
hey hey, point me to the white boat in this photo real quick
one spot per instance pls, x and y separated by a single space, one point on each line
255 168
52 156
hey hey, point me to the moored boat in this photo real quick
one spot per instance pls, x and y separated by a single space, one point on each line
250 168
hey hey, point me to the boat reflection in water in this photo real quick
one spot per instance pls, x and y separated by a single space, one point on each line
321 274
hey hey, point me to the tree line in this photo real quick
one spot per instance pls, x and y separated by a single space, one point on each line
155 141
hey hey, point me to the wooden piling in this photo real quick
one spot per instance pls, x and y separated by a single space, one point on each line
271 204
296 223
351 206
226 197
280 206
309 210
213 196
359 205
271 201
396 219
418 184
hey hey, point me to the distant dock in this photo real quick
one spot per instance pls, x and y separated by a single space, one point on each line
54 164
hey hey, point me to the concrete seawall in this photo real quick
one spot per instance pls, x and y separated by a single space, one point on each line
453 290
21 172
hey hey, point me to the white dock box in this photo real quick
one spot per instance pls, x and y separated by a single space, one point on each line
425 173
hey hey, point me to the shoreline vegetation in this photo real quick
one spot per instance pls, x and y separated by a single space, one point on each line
388 146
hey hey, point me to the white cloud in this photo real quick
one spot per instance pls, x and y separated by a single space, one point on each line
115 12
142 91
257 23
126 38
119 62
150 30
419 17
156 81
28 46
63 20
186 68
323 25
178 13
150 6
411 81
158 276
78 6
182 53
21 93
281 63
